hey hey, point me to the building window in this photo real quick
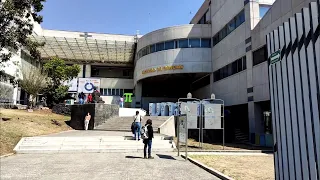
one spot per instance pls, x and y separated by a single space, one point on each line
230 69
263 9
206 43
194 43
153 48
260 55
231 26
160 46
169 45
183 43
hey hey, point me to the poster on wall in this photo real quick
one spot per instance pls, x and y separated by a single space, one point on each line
191 110
212 116
73 85
86 85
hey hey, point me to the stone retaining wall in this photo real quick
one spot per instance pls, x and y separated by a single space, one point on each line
99 114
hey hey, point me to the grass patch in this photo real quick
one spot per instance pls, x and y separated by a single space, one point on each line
240 167
25 124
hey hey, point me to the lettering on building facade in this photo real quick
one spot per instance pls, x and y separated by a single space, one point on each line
162 68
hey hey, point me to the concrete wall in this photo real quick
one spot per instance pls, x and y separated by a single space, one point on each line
202 93
99 114
194 60
117 83
168 127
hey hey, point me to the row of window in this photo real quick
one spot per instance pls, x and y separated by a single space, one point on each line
230 69
115 92
204 19
232 25
260 55
173 44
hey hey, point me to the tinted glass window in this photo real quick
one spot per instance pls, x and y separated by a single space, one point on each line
153 48
241 17
160 46
169 45
260 55
234 67
206 43
194 43
223 33
183 43
239 61
244 62
231 26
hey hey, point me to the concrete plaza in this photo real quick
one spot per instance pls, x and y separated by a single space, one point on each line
99 166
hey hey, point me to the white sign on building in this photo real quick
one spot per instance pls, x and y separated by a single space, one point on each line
86 85
73 85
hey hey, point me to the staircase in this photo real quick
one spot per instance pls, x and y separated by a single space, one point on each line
240 137
110 144
124 123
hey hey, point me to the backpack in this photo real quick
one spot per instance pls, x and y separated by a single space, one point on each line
144 132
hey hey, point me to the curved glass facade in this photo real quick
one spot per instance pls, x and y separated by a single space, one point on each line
174 44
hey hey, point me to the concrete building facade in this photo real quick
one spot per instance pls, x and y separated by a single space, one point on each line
222 51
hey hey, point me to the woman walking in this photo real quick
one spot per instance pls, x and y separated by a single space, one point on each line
148 141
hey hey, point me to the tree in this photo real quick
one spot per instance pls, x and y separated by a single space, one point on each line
33 82
58 73
16 26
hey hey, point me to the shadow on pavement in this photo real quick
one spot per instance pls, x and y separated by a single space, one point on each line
165 157
133 157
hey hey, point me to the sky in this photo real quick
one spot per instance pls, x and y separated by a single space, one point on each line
117 16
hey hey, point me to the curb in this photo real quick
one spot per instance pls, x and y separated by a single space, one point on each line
208 169
229 151
6 155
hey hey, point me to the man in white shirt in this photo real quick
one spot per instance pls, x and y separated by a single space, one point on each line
86 121
137 120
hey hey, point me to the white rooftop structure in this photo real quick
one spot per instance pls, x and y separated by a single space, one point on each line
86 47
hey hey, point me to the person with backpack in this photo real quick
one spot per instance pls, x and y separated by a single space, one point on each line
147 135
137 121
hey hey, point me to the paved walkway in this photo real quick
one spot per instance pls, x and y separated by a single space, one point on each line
81 133
119 166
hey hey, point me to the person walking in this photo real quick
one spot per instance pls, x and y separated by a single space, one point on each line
137 121
148 140
81 97
121 101
89 98
87 121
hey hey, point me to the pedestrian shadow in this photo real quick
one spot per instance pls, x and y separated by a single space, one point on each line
161 156
133 157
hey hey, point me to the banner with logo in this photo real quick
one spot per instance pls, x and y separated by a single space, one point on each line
73 85
86 85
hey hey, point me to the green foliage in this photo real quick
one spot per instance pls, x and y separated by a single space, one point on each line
33 81
16 26
58 72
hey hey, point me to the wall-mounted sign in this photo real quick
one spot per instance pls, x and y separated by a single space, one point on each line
162 68
73 85
275 57
86 85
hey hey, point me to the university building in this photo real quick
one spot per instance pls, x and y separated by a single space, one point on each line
222 51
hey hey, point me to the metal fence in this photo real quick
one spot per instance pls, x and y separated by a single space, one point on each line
294 73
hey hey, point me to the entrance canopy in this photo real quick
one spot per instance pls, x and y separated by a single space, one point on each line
82 47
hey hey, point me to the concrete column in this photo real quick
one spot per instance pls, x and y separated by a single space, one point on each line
80 75
15 95
252 124
138 94
88 70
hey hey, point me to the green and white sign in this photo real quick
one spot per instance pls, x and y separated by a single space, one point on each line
275 57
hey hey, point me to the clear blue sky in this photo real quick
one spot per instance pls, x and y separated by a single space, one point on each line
117 16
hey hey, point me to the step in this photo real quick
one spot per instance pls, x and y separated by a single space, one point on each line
88 144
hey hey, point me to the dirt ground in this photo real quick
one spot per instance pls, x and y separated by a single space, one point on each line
244 167
25 124
193 145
